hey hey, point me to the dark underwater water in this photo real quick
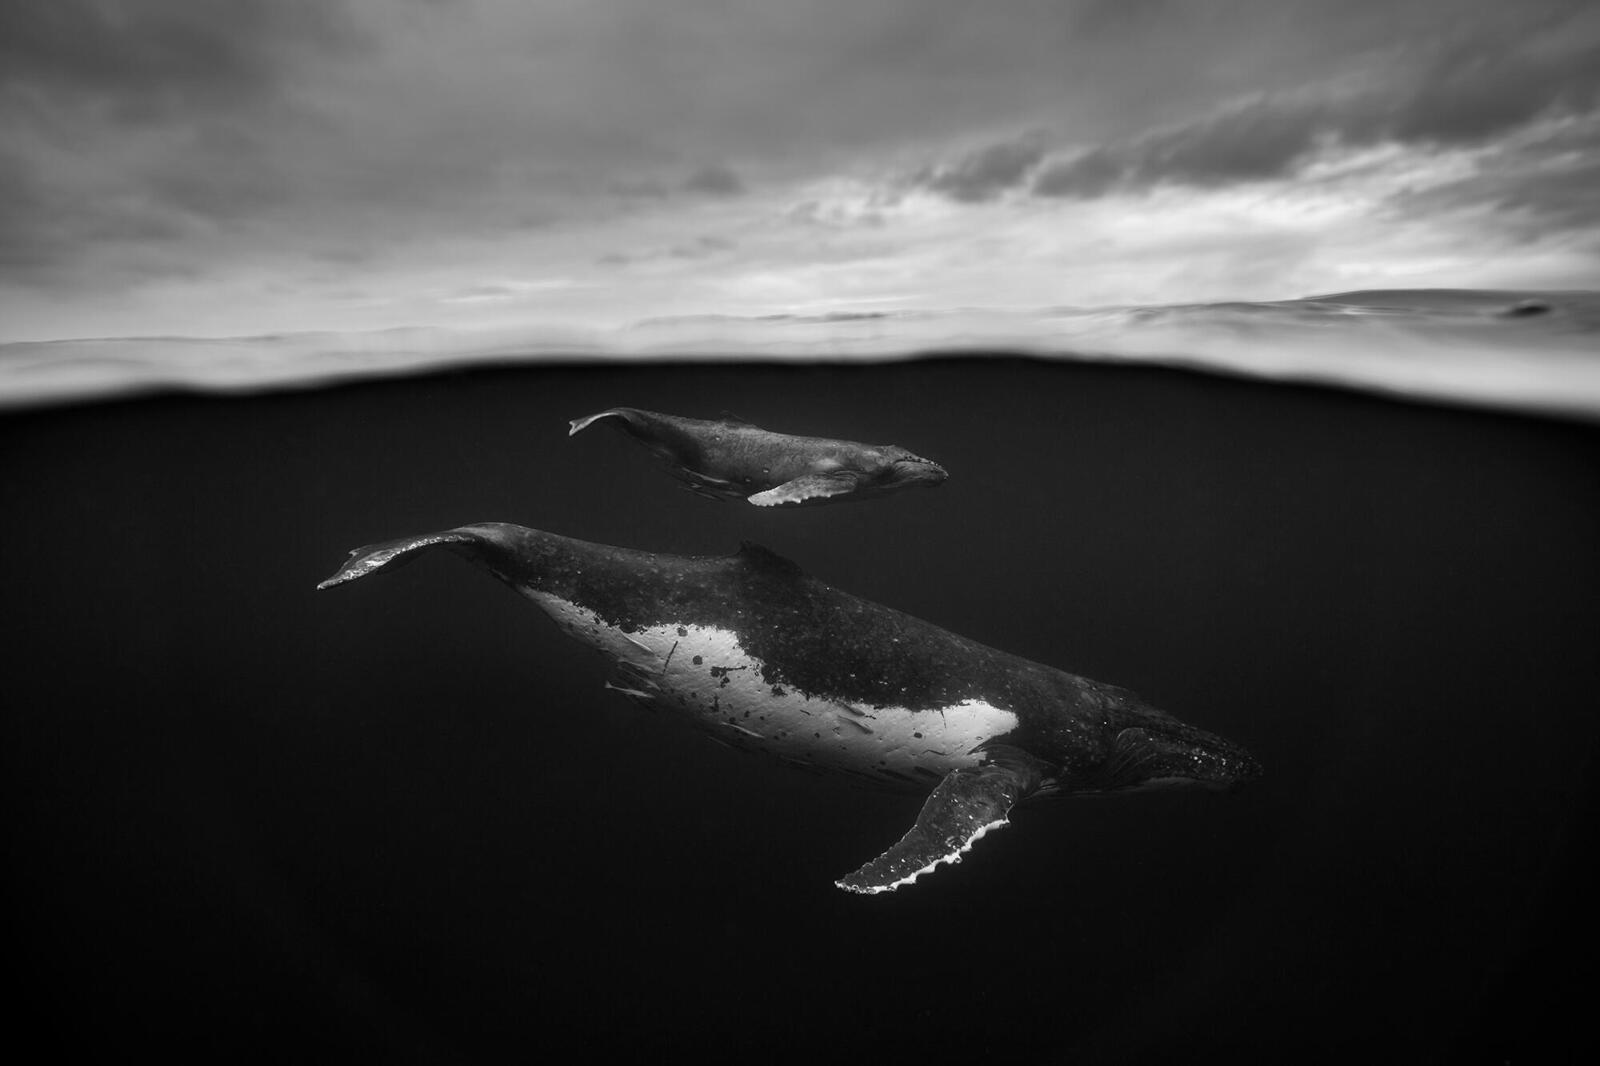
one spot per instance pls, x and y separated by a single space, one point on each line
403 821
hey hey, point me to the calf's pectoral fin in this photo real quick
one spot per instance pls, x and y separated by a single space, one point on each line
966 805
805 487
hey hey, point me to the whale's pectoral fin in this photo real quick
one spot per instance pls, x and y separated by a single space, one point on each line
805 487
966 805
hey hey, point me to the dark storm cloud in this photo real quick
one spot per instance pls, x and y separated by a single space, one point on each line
29 240
1468 91
42 227
1545 185
224 173
146 56
1475 90
985 173
1260 140
126 115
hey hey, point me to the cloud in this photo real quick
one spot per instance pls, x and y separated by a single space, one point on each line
149 57
985 173
173 153
43 228
703 247
1259 140
504 291
29 239
1544 184
127 120
1494 81
636 188
1466 91
714 180
842 213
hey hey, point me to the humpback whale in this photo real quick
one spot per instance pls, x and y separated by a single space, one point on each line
733 460
765 658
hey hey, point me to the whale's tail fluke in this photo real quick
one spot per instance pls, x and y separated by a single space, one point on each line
626 414
473 542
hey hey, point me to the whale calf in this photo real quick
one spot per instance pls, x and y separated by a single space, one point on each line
766 658
731 459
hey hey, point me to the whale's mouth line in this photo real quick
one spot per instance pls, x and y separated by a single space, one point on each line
915 464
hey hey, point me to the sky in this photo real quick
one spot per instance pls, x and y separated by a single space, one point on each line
240 167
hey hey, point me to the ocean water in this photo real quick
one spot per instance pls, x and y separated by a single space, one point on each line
404 820
1498 349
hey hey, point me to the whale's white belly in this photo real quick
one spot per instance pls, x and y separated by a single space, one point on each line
704 673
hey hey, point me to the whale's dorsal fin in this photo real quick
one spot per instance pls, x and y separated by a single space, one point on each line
967 804
764 558
734 420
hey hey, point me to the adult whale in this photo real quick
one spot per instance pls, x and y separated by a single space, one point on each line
733 460
766 658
